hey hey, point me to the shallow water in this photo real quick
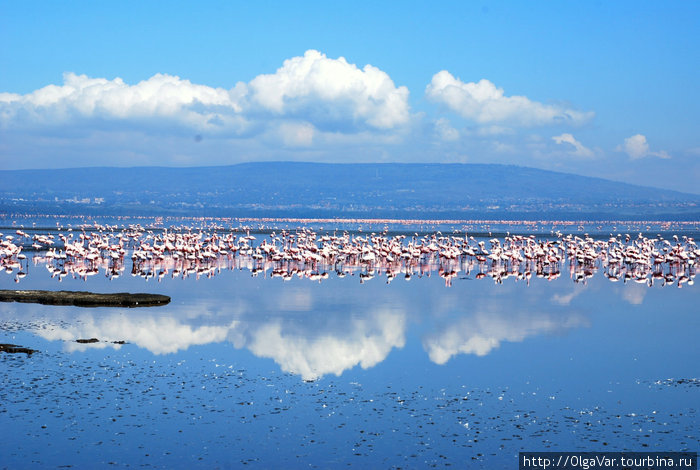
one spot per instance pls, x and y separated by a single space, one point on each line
242 369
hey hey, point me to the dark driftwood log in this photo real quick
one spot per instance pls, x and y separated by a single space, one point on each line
14 349
87 341
83 299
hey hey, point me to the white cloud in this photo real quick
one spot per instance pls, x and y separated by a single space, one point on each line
331 89
637 147
82 98
579 149
296 134
306 93
445 131
488 131
565 299
503 147
634 293
484 103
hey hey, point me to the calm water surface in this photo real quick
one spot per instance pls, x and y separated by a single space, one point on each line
241 369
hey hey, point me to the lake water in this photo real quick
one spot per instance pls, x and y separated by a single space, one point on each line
247 368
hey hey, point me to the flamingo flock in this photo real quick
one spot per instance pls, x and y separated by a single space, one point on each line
186 252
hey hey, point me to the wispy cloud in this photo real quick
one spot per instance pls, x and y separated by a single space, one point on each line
445 131
485 103
482 332
579 149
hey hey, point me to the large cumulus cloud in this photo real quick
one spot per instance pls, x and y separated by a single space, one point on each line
82 98
306 93
330 90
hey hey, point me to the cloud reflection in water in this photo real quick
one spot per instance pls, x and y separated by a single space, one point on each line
365 341
316 330
481 332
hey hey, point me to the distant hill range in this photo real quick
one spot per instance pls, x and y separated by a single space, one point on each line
286 189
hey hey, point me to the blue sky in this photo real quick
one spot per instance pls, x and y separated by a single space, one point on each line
605 89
